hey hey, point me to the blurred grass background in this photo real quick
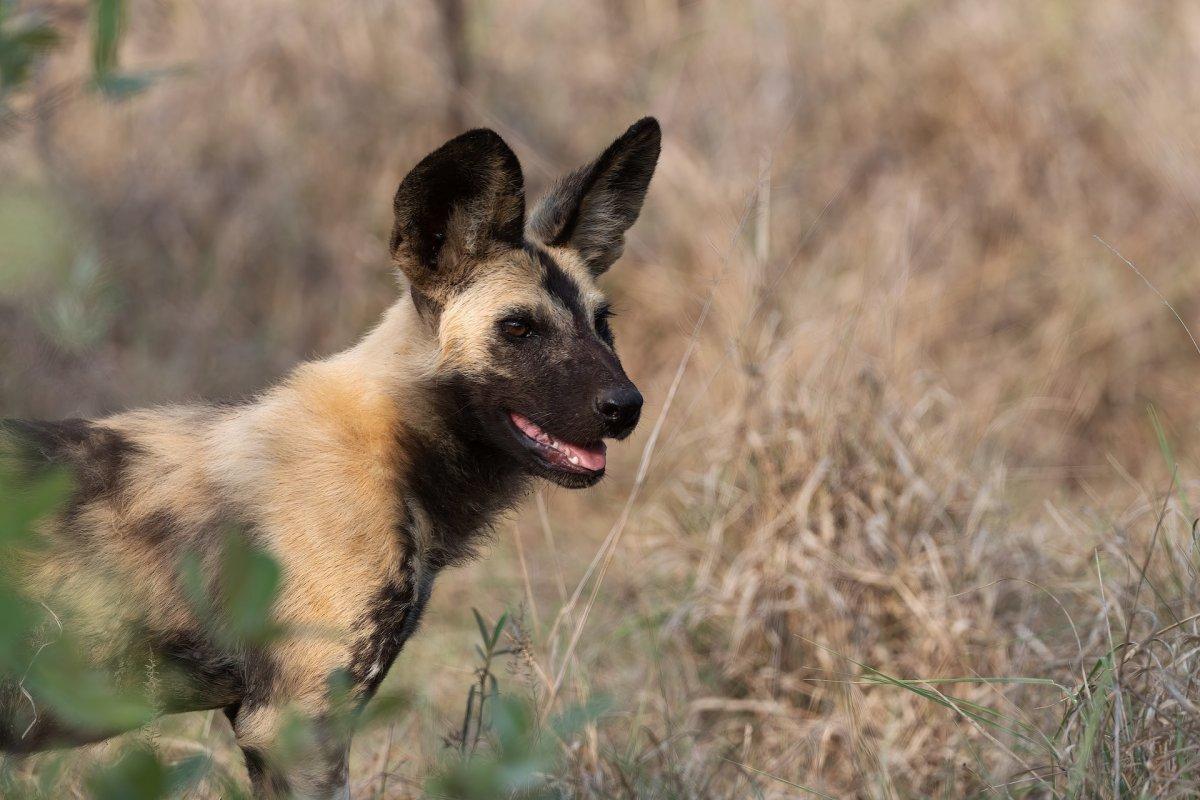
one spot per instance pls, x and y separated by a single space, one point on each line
911 436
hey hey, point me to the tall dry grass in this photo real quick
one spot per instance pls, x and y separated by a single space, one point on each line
910 440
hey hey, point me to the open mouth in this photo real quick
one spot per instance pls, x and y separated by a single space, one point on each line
558 454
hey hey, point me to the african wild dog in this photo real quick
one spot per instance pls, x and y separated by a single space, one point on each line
365 473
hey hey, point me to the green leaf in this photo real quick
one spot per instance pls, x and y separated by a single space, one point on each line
138 775
107 24
84 697
250 580
496 633
483 628
573 719
383 709
141 775
120 85
186 773
23 503
516 767
16 622
514 723
50 772
20 44
191 576
37 37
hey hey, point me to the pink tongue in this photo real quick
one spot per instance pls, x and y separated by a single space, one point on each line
560 452
592 459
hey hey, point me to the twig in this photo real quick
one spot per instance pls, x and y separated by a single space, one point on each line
387 754
1146 281
21 685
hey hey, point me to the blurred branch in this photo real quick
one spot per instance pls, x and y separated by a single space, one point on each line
27 39
23 40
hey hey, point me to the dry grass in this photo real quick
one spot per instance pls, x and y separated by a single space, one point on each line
910 441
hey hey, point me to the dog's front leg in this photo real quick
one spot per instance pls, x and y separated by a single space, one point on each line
317 771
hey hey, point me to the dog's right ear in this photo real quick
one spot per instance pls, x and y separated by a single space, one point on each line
590 210
461 204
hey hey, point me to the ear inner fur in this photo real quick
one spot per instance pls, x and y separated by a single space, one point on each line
590 209
463 203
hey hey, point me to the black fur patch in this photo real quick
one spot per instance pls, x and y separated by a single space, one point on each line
602 326
261 676
462 482
95 455
199 674
556 378
265 780
322 772
389 622
562 287
159 527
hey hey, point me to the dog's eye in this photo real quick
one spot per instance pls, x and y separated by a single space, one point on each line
516 328
603 315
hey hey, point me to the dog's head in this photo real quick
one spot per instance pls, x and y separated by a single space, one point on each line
522 325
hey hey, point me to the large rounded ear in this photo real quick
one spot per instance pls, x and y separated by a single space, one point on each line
462 203
590 209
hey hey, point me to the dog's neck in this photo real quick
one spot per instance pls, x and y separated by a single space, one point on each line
397 356
453 482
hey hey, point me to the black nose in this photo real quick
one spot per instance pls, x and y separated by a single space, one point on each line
620 407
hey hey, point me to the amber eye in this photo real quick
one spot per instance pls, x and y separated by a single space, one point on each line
515 328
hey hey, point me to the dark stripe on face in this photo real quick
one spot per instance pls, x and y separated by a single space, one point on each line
562 287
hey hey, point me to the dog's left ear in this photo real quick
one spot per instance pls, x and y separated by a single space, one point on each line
590 209
463 203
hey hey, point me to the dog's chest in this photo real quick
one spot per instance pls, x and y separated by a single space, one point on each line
445 508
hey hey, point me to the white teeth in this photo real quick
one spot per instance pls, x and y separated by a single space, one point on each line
567 451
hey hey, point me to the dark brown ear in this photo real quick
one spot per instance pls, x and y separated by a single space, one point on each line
460 204
590 209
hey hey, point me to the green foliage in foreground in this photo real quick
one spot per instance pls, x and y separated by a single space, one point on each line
22 41
504 752
26 38
520 758
39 652
516 767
